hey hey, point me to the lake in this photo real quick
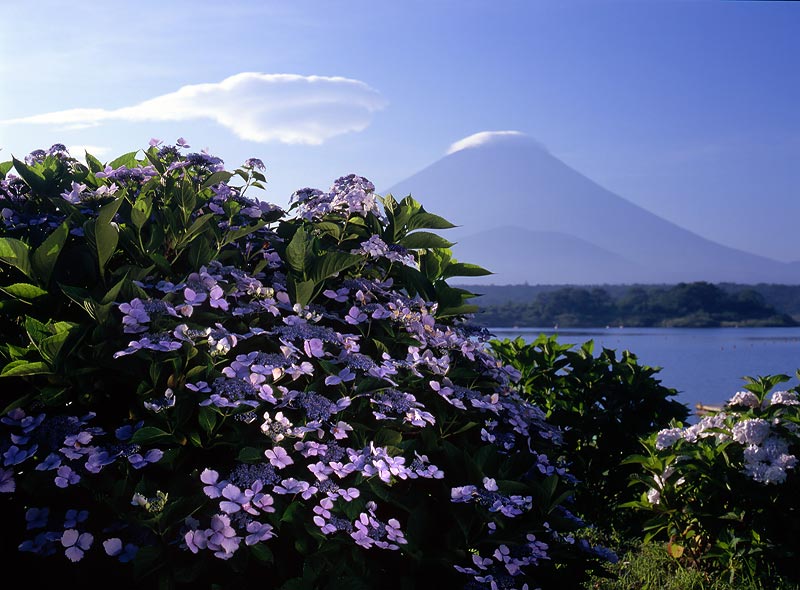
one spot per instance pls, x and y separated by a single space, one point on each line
705 365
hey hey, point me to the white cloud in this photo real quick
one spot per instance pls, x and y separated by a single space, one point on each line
258 107
481 138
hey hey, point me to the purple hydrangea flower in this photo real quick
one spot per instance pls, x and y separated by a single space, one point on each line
66 477
138 461
76 544
114 548
278 457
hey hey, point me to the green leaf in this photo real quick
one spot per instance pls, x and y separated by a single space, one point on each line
111 294
424 239
465 309
23 368
297 251
148 435
152 155
433 261
207 418
331 264
217 178
188 199
388 437
197 226
106 235
51 346
83 299
45 256
463 269
250 455
329 227
37 331
140 212
241 232
128 160
17 254
303 292
95 165
5 167
425 220
415 282
24 291
32 177
261 552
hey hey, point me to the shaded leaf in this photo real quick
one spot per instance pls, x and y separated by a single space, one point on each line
45 256
17 254
424 239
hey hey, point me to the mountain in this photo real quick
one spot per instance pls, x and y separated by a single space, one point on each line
528 217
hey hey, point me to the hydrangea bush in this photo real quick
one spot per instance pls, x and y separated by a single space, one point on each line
202 389
723 492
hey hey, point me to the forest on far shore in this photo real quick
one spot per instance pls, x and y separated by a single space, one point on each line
697 304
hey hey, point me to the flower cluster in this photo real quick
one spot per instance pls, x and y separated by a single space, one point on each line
729 476
222 379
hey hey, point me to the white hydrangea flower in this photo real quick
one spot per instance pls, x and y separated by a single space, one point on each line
784 398
667 437
744 398
768 462
751 432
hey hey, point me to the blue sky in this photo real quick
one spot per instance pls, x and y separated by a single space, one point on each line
688 108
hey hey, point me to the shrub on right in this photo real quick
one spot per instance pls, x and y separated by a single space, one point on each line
723 493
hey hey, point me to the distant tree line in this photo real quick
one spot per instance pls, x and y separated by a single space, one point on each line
698 304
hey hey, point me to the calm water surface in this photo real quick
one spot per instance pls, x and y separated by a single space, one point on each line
705 365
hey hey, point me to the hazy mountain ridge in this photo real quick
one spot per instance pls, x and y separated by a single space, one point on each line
594 234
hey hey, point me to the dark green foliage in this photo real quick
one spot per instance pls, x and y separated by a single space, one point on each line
605 403
697 304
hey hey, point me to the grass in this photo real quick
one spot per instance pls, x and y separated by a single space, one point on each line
650 567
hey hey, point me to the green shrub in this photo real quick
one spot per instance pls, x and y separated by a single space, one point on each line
202 389
604 404
724 492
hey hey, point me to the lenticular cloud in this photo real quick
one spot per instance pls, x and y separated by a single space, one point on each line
257 107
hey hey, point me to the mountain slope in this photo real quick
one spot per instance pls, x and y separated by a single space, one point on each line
511 180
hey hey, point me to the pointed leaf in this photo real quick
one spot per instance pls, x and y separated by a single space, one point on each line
51 346
463 269
45 256
331 264
217 178
95 165
17 254
241 232
83 299
24 291
140 212
23 368
425 220
424 239
303 290
106 235
32 177
152 155
296 252
151 435
37 331
128 160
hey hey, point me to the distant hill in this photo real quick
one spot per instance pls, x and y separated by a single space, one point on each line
696 304
528 217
